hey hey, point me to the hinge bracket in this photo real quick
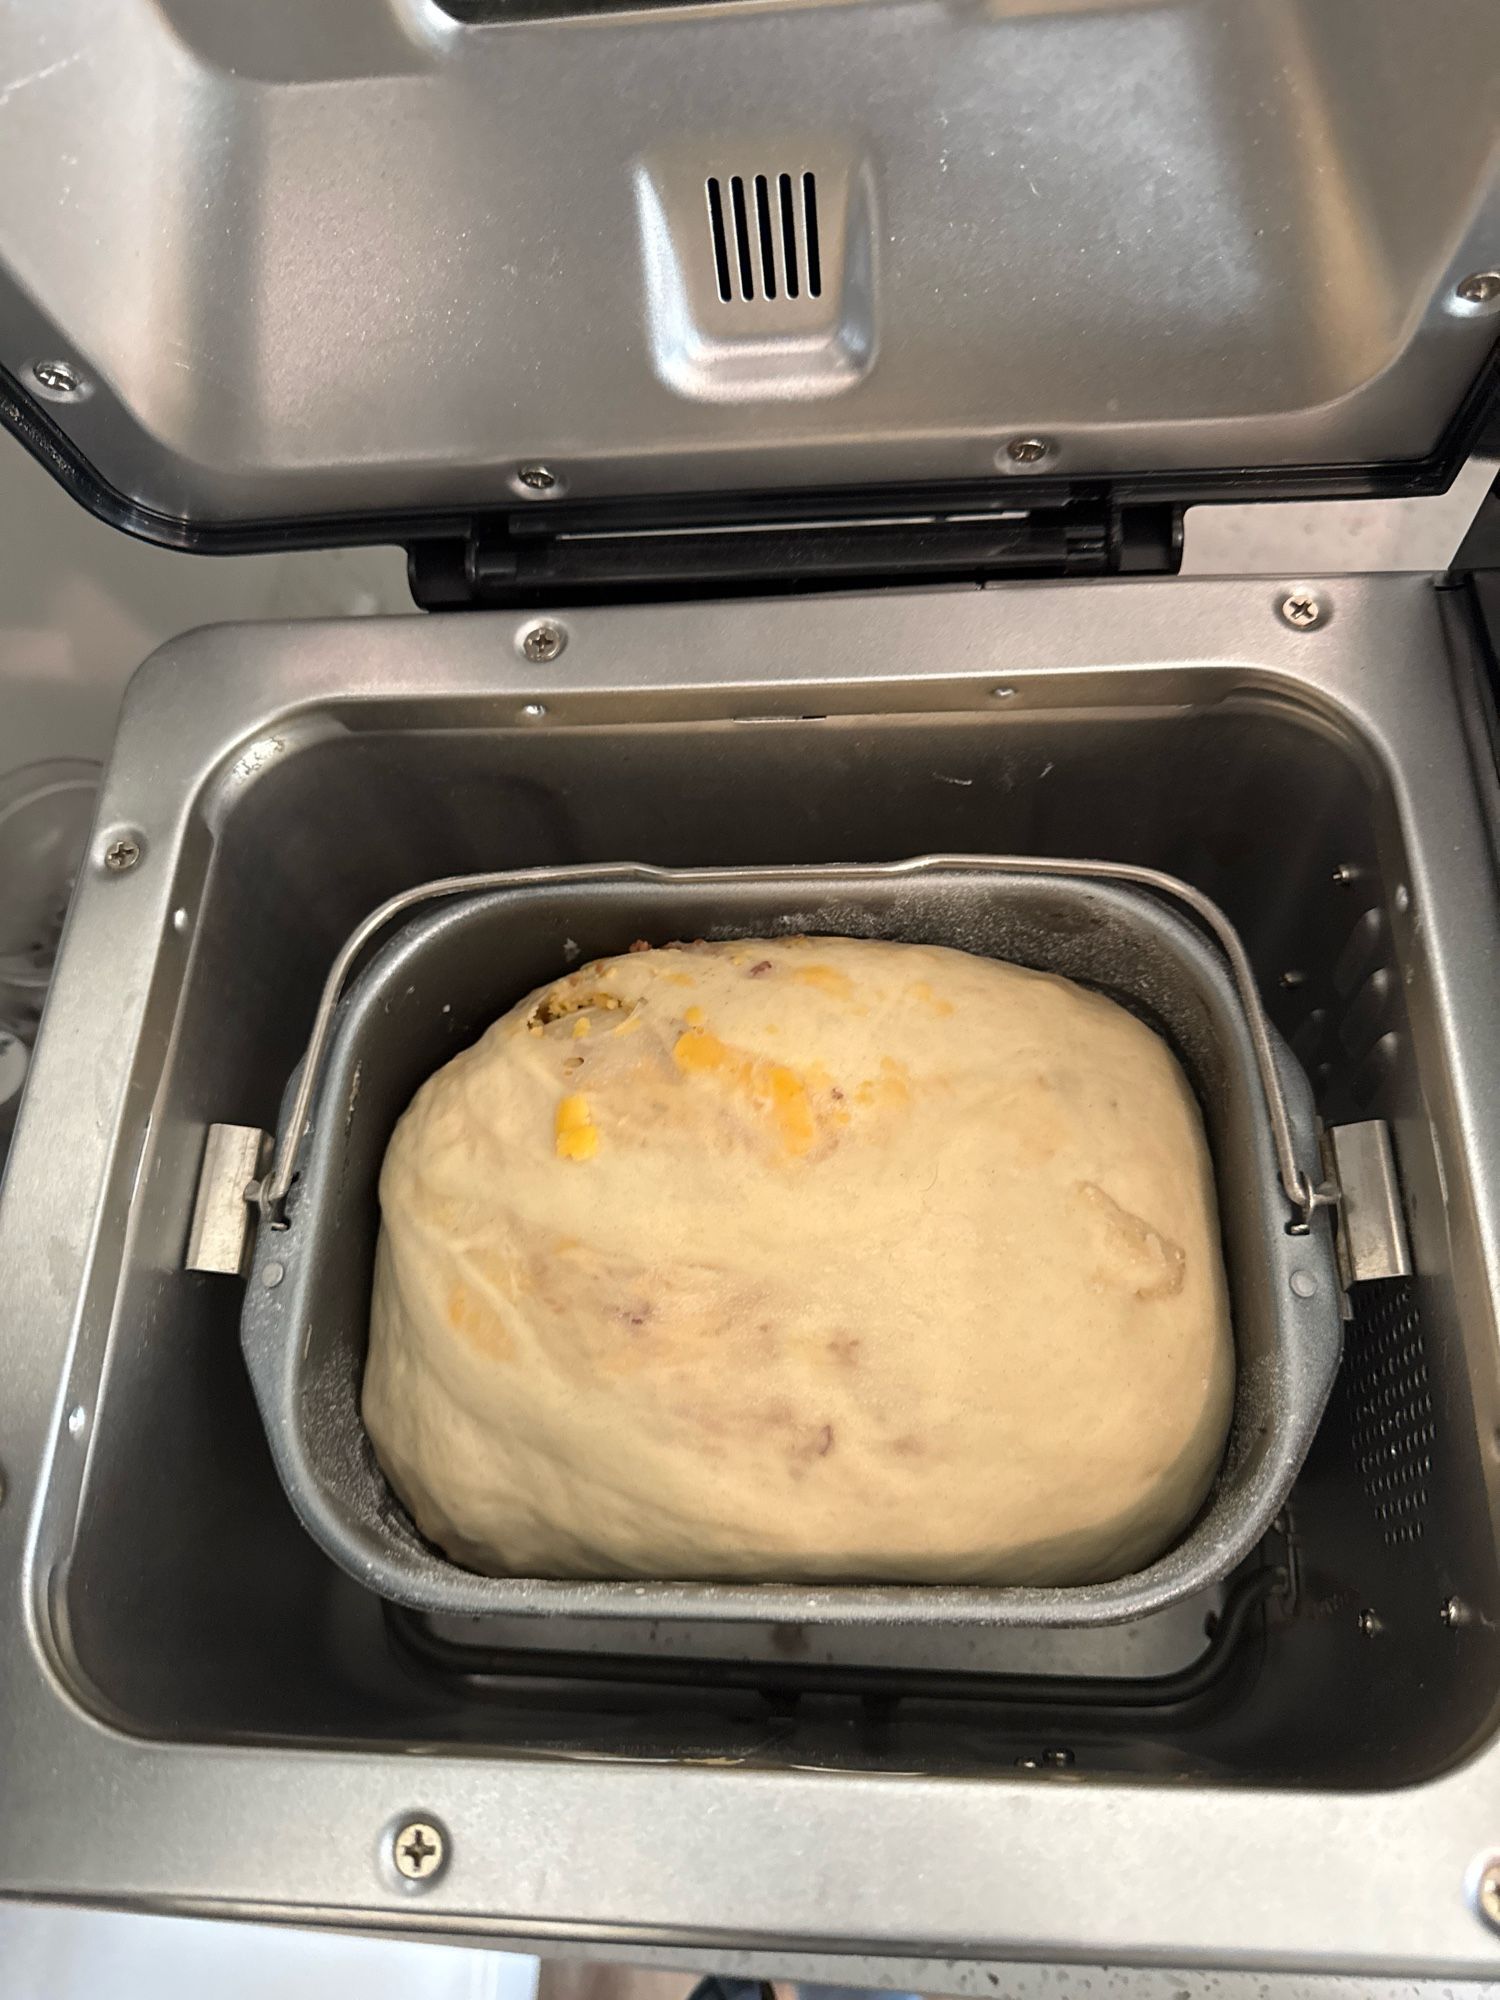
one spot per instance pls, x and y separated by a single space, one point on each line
601 554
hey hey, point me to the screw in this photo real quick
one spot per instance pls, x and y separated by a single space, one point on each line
1487 1895
1292 978
1028 450
1454 1611
1344 875
1480 288
1058 1759
1369 1624
533 711
272 1276
1002 694
1027 1764
540 478
58 376
78 1416
122 854
543 642
419 1850
1301 609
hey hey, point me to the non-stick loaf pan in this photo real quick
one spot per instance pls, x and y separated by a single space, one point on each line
462 952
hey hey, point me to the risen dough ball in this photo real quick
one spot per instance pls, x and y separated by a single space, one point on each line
802 1259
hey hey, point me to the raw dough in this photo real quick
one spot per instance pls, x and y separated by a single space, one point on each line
805 1259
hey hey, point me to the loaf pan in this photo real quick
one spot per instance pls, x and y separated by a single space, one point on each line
463 955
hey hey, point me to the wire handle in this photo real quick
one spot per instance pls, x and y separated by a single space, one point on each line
1306 1197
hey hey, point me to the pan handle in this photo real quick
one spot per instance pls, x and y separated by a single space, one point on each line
1305 1195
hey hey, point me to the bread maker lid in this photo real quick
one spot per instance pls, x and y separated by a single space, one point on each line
321 272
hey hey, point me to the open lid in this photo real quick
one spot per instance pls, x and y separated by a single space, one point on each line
338 270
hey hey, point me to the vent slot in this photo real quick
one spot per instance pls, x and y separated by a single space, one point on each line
720 238
764 236
767 247
789 236
742 237
814 259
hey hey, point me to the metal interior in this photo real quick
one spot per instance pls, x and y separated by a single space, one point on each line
180 1653
452 968
1150 235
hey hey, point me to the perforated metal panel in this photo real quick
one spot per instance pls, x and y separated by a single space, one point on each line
1391 1413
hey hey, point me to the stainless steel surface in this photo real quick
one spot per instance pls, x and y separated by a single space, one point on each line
446 974
219 1235
1324 1816
1251 222
1304 1198
1371 1232
46 810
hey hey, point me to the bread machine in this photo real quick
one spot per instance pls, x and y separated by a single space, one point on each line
790 412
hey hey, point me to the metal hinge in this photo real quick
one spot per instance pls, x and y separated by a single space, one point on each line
1369 1229
219 1239
629 552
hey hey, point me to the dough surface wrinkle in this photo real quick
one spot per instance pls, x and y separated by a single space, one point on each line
802 1259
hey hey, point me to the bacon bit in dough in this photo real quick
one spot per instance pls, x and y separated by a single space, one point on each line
640 944
808 1445
760 968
